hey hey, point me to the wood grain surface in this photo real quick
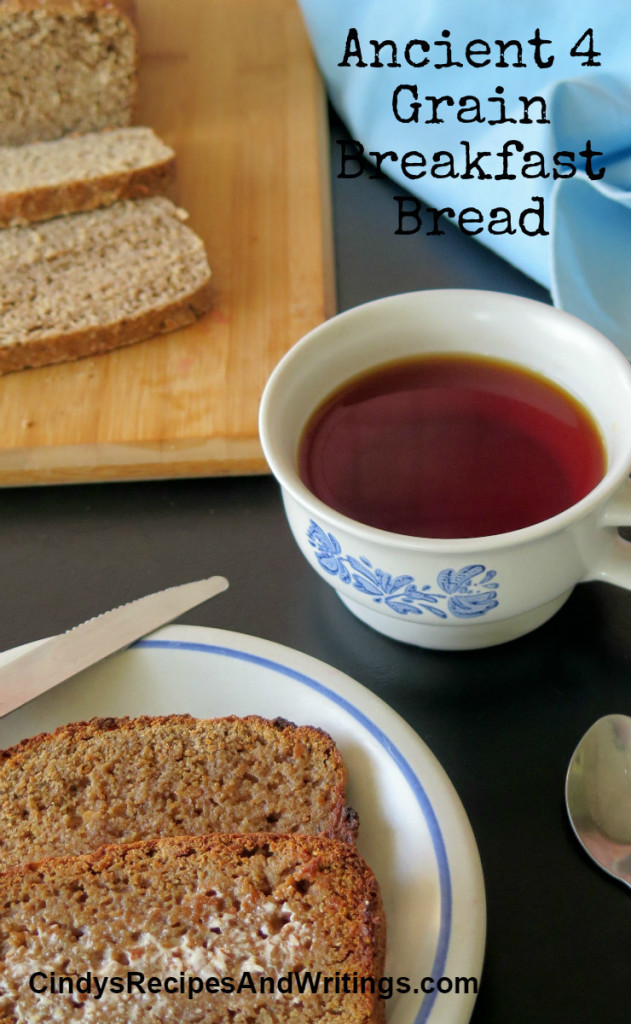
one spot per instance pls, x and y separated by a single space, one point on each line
232 86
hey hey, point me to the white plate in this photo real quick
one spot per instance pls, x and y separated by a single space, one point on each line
413 830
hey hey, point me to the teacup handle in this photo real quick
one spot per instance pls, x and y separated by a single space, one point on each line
615 564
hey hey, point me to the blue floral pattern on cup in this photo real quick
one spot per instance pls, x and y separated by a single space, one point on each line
464 593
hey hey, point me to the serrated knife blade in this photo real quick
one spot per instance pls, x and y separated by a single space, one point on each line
61 657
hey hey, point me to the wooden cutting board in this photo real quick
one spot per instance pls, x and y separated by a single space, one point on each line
232 86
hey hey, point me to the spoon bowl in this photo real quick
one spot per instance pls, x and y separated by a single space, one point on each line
598 795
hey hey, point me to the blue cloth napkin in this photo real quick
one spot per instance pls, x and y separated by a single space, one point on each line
585 259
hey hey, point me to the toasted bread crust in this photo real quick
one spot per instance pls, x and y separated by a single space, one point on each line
36 204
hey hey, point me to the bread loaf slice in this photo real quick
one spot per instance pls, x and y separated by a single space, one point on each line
65 66
41 180
237 909
94 281
120 779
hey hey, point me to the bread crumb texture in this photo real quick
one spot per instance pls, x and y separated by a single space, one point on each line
67 160
41 180
119 779
65 66
92 281
211 906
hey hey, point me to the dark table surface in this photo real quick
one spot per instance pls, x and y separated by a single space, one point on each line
502 722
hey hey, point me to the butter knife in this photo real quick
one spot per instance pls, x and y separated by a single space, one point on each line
54 660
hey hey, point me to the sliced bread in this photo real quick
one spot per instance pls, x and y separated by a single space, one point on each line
94 281
161 927
41 180
65 66
113 780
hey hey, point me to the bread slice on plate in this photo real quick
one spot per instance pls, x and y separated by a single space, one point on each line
113 780
41 180
66 66
242 923
89 282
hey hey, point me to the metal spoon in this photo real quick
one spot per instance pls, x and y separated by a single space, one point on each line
598 794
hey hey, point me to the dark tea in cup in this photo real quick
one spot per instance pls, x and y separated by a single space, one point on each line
451 446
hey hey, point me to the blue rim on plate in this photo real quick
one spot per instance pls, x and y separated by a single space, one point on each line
438 842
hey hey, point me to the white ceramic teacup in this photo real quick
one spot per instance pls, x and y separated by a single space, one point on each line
460 593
